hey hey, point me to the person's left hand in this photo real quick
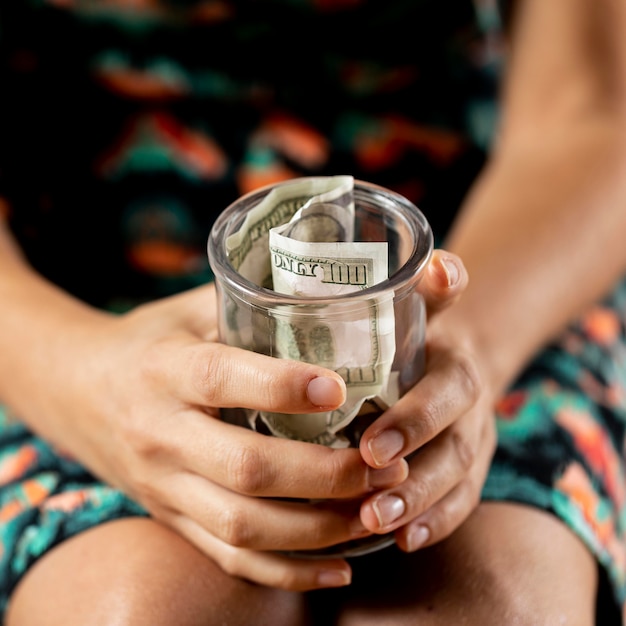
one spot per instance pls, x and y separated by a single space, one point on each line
445 422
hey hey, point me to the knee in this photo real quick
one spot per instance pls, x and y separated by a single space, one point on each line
136 572
505 565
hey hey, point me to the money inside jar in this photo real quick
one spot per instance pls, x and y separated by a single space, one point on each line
299 241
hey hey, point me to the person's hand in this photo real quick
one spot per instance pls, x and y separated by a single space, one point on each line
135 398
446 420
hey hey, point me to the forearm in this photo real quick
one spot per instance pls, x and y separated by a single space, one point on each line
541 237
38 323
542 232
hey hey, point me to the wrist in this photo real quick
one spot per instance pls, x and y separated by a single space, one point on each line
496 364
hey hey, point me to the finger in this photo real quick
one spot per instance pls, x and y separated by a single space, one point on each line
212 374
261 523
253 464
435 471
444 281
449 388
266 568
446 515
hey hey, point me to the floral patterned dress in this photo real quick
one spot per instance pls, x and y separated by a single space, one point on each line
139 120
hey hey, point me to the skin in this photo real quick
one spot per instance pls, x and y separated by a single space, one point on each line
528 235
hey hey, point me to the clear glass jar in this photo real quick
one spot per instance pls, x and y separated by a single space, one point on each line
262 320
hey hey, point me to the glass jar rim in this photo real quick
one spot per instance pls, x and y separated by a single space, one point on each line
409 273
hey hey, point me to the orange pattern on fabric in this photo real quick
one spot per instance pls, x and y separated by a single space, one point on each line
575 483
602 325
250 177
32 494
203 12
138 84
395 134
595 445
16 465
163 257
508 405
212 11
293 138
67 501
193 148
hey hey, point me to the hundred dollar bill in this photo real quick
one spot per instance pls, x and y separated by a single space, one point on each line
360 347
299 241
248 248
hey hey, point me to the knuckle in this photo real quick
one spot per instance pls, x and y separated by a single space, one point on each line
420 494
142 443
149 367
468 375
341 476
464 452
148 448
219 376
250 474
428 422
207 371
234 528
288 580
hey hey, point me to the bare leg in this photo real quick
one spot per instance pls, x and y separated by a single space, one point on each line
507 565
137 572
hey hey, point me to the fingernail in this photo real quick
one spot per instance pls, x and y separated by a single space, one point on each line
324 391
417 536
388 509
451 269
387 476
385 446
333 578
